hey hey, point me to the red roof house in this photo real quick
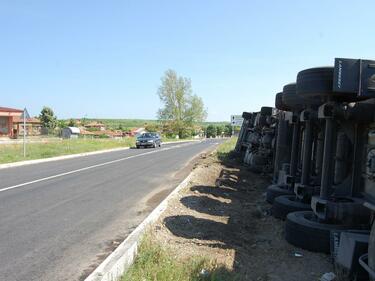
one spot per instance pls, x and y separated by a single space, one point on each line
7 116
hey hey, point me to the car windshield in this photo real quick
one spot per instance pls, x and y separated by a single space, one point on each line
147 135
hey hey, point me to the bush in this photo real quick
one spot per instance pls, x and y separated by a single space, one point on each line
211 131
185 133
153 128
219 130
228 130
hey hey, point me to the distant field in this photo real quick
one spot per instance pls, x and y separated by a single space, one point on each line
124 123
136 123
221 123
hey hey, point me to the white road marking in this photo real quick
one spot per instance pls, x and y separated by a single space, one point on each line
90 167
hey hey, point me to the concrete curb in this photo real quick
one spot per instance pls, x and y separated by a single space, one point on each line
114 266
70 156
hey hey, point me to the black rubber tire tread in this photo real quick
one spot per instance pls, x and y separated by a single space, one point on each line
279 103
318 83
285 204
247 115
303 231
259 160
291 99
266 110
371 250
274 191
315 82
252 120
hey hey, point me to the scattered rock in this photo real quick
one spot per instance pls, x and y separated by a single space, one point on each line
329 276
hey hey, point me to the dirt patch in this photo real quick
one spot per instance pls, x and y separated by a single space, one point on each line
223 215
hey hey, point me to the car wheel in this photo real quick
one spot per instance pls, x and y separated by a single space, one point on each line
137 146
275 190
285 204
302 229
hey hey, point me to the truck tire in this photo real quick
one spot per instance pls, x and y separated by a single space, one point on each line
274 191
291 99
247 115
303 230
279 102
266 110
285 204
317 82
258 160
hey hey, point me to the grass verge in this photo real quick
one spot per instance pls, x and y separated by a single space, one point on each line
50 148
157 263
165 139
14 152
225 150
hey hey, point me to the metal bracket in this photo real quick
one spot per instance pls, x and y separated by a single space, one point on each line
369 206
363 262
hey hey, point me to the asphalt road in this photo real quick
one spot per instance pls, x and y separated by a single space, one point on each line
59 219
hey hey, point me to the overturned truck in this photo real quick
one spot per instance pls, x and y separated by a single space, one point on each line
319 145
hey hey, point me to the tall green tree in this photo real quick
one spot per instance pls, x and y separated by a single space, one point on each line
219 130
228 130
181 108
211 131
47 118
61 124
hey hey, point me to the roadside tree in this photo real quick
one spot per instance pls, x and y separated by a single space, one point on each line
61 124
48 118
152 128
219 130
181 108
211 131
227 130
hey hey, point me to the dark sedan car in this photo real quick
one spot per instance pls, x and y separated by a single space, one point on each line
148 140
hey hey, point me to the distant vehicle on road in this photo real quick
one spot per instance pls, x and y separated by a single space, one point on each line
148 140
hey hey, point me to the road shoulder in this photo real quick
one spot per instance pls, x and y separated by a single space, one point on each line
222 215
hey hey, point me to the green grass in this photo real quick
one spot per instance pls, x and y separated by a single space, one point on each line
165 139
156 263
134 123
124 123
226 149
14 152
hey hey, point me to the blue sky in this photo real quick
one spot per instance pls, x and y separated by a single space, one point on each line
105 58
